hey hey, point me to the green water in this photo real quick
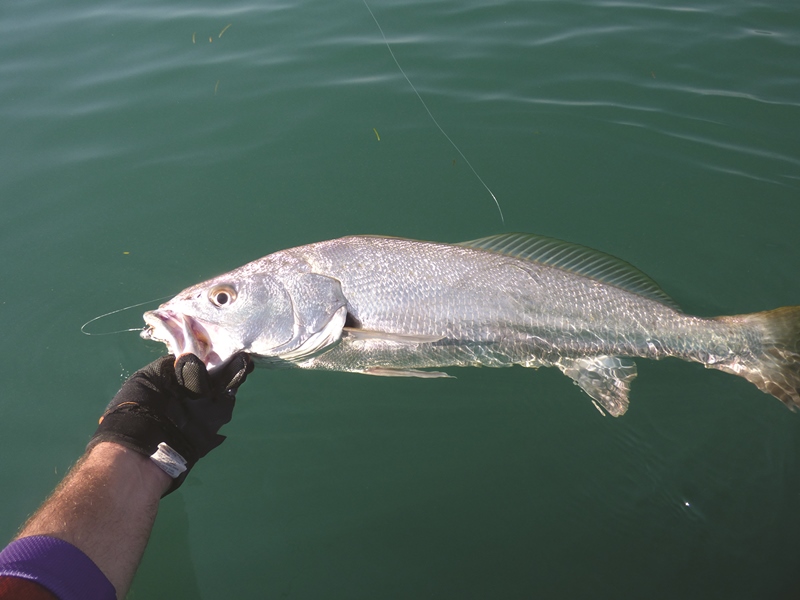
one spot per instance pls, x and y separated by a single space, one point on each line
143 151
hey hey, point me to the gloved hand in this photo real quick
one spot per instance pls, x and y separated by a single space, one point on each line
171 411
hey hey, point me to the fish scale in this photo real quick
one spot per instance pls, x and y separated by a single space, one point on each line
573 313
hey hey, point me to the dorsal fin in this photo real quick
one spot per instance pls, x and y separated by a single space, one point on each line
575 259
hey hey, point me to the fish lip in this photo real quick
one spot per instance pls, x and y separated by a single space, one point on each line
164 326
182 334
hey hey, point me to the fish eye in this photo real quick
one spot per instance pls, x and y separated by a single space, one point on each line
222 295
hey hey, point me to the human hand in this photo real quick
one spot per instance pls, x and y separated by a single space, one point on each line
171 411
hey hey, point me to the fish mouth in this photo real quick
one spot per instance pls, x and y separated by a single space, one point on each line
183 335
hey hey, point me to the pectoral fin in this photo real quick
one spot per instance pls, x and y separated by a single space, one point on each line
397 338
387 372
606 379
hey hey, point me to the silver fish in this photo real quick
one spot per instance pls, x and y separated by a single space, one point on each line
393 307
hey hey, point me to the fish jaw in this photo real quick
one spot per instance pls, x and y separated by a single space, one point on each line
184 334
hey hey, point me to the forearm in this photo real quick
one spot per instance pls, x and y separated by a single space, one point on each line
106 507
91 533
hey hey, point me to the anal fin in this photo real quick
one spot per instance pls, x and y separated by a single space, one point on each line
389 372
607 379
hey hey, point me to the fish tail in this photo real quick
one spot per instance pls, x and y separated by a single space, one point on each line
774 363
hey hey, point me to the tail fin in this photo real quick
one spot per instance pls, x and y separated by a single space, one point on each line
775 369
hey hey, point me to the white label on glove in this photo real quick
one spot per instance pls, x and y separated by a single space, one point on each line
169 461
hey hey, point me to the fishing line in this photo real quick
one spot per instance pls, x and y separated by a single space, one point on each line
119 310
430 114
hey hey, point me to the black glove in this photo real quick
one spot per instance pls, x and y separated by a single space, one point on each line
171 411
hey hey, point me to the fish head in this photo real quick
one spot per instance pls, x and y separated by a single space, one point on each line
267 316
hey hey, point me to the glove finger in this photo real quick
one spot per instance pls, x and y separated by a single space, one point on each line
234 373
146 384
160 373
192 375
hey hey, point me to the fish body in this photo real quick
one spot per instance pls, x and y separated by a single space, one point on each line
394 307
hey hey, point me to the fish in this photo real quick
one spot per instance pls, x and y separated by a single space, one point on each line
390 306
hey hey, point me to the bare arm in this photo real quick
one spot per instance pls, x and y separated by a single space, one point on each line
162 421
106 507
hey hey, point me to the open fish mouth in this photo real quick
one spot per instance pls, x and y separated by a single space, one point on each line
183 335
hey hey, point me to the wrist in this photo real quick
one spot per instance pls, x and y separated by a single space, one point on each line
150 479
150 433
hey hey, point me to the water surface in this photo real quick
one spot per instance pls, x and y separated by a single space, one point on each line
147 147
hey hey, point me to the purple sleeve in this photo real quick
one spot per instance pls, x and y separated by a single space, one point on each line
58 566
